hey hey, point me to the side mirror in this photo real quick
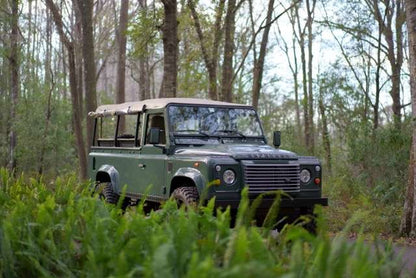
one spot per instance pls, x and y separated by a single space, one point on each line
276 139
154 136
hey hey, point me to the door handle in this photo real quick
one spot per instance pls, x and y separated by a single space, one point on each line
141 166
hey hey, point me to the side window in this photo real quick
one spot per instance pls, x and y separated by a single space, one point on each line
125 134
157 121
105 129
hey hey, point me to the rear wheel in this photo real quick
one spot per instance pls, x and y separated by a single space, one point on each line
107 193
186 195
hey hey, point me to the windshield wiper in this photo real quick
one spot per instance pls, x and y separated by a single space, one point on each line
229 131
191 130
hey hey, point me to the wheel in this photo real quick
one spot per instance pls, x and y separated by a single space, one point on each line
311 226
187 195
107 193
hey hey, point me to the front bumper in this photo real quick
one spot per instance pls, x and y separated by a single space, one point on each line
284 203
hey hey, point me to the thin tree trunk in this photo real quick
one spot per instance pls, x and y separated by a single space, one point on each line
211 61
408 221
301 42
325 133
393 36
227 67
86 8
121 66
14 69
170 49
259 63
57 17
310 10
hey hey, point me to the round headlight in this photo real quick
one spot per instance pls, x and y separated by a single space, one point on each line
305 176
228 176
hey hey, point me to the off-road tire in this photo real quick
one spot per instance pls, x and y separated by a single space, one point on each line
186 195
311 226
107 193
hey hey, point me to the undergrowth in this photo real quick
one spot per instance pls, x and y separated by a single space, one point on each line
59 229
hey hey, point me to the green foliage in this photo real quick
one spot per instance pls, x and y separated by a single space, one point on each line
369 178
61 230
42 145
144 32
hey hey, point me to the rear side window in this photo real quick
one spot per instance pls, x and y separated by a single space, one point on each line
118 131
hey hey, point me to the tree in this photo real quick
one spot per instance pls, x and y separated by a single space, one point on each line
391 24
85 7
259 61
408 222
76 113
227 66
304 36
15 84
210 59
121 66
170 49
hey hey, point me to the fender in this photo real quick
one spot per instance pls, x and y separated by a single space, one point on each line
193 174
112 173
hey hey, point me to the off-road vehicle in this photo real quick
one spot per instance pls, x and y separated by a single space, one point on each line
187 148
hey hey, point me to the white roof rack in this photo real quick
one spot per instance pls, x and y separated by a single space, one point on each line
138 106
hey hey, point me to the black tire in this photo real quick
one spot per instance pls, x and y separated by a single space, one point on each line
186 195
311 226
107 193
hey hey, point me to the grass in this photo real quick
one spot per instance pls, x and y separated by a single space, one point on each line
59 229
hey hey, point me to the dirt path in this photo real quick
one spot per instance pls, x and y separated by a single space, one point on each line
408 254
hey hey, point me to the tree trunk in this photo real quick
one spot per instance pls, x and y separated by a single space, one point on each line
86 8
301 42
227 66
211 61
259 63
14 69
325 133
76 114
170 49
408 222
393 35
121 66
310 10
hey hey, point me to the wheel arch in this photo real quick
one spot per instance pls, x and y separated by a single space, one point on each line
108 173
187 177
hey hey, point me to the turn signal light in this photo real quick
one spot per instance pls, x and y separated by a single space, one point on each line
317 181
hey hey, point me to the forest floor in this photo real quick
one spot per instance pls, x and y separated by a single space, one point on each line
404 247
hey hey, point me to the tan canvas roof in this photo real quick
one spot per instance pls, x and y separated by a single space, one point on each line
137 106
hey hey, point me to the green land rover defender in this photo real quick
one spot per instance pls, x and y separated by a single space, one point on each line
195 148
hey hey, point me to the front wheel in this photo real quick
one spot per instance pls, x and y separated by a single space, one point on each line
186 195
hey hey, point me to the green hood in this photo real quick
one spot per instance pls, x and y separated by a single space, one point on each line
239 152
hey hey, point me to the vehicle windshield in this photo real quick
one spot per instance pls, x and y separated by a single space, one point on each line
214 121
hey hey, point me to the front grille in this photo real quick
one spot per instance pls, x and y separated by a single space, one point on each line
269 177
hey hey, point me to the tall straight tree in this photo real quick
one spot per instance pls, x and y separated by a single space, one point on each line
86 9
121 66
305 31
391 23
408 223
210 57
76 113
227 66
259 61
14 72
170 49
